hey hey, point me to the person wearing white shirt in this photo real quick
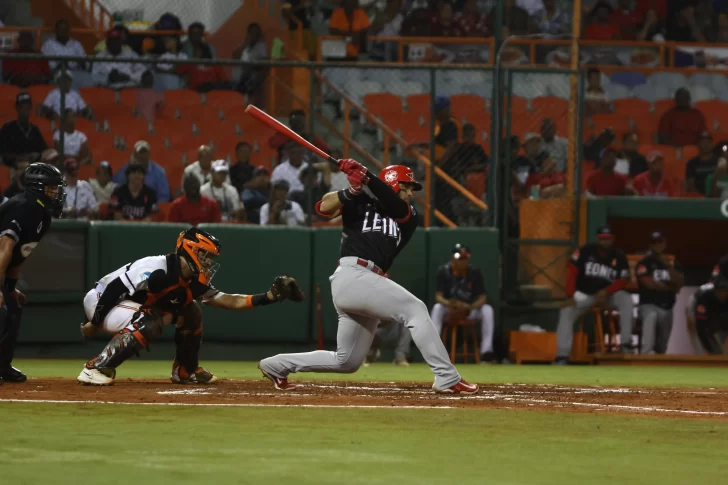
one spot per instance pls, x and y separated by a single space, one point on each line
290 168
280 210
63 45
116 75
202 168
75 143
80 200
224 193
102 185
530 6
51 107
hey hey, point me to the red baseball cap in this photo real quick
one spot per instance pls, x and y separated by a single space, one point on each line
605 232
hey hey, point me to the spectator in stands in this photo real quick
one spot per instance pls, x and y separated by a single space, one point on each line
552 19
683 24
172 51
531 6
653 28
223 192
19 138
653 183
516 20
204 77
202 168
290 168
257 194
133 200
241 172
630 161
315 186
80 200
467 156
149 101
251 78
116 75
626 18
416 23
24 73
123 36
548 182
716 184
556 146
156 176
471 21
443 24
594 147
51 107
63 45
17 186
600 27
596 99
297 122
700 166
102 185
75 143
722 28
447 130
351 22
301 12
604 181
196 45
338 178
52 156
279 210
193 207
387 23
532 146
682 124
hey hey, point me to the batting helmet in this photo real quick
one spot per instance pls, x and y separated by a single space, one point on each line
396 174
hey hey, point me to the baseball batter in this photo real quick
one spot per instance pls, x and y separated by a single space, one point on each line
376 230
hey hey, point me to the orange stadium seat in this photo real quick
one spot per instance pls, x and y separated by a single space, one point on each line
689 151
131 129
476 182
617 122
520 125
201 113
96 96
7 101
4 178
481 121
633 107
88 127
182 97
177 132
668 151
661 105
419 104
467 106
380 103
238 114
519 105
224 100
39 92
550 106
716 114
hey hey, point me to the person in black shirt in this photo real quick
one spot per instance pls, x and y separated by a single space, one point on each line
134 201
659 280
312 186
594 147
17 187
24 220
376 230
21 139
707 315
460 287
637 161
598 275
241 172
699 167
257 194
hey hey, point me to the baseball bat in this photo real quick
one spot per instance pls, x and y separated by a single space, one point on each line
276 125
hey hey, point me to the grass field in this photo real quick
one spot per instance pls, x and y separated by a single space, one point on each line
46 443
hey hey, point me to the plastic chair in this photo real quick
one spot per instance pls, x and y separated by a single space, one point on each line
687 152
419 104
715 112
98 96
615 121
130 129
378 103
224 100
661 105
467 106
550 106
39 92
177 132
632 106
177 98
476 182
645 122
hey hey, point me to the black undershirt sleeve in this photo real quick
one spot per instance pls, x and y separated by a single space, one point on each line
396 207
108 300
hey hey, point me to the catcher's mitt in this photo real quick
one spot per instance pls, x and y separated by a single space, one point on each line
286 288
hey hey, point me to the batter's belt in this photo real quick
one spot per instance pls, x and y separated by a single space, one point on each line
353 261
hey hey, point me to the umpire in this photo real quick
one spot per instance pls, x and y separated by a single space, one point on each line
24 220
659 280
598 275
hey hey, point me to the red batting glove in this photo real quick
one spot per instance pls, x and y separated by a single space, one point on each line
356 180
348 165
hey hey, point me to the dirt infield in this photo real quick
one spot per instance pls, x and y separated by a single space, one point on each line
689 403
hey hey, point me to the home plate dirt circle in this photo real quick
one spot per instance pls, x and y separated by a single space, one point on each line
690 403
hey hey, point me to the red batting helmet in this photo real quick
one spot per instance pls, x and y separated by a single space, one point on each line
396 174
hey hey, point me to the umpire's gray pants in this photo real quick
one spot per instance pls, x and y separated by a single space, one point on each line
568 316
362 298
656 328
395 333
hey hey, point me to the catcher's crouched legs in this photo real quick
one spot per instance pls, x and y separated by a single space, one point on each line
188 339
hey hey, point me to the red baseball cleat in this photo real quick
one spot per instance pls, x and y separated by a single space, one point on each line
280 383
461 387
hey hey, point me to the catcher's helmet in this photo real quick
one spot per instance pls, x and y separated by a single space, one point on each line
45 181
200 249
396 174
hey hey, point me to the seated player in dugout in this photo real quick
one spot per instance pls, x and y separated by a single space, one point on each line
659 279
597 277
460 288
136 301
707 312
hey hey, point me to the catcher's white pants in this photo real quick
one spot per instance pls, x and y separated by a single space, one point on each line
118 318
484 314
362 298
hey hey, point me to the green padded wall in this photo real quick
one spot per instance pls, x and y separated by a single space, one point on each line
326 246
409 269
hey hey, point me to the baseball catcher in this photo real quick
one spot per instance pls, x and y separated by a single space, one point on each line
136 301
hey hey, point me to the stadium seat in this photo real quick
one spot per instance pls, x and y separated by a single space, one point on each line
405 88
687 152
419 104
618 91
550 106
476 182
130 129
224 100
651 93
181 97
519 105
628 78
378 103
701 93
616 121
481 121
662 105
633 107
715 112
358 89
98 96
645 122
39 92
467 105
673 80
88 127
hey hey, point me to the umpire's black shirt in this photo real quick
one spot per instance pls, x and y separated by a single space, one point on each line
24 219
464 287
652 266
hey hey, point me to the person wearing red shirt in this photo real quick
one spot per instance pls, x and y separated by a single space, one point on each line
24 73
604 181
626 18
682 124
471 22
550 183
443 24
194 208
297 122
599 27
653 183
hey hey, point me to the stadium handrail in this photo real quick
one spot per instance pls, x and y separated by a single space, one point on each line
92 12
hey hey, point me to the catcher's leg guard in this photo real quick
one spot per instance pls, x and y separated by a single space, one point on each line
10 317
188 339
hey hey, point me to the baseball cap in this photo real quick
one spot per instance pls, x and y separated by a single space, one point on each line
654 155
282 184
530 137
460 252
70 165
260 170
141 145
441 102
656 237
220 166
23 98
605 232
608 149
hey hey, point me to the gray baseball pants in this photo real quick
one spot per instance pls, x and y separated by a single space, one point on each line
656 328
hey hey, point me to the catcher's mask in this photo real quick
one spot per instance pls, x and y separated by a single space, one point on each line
200 249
